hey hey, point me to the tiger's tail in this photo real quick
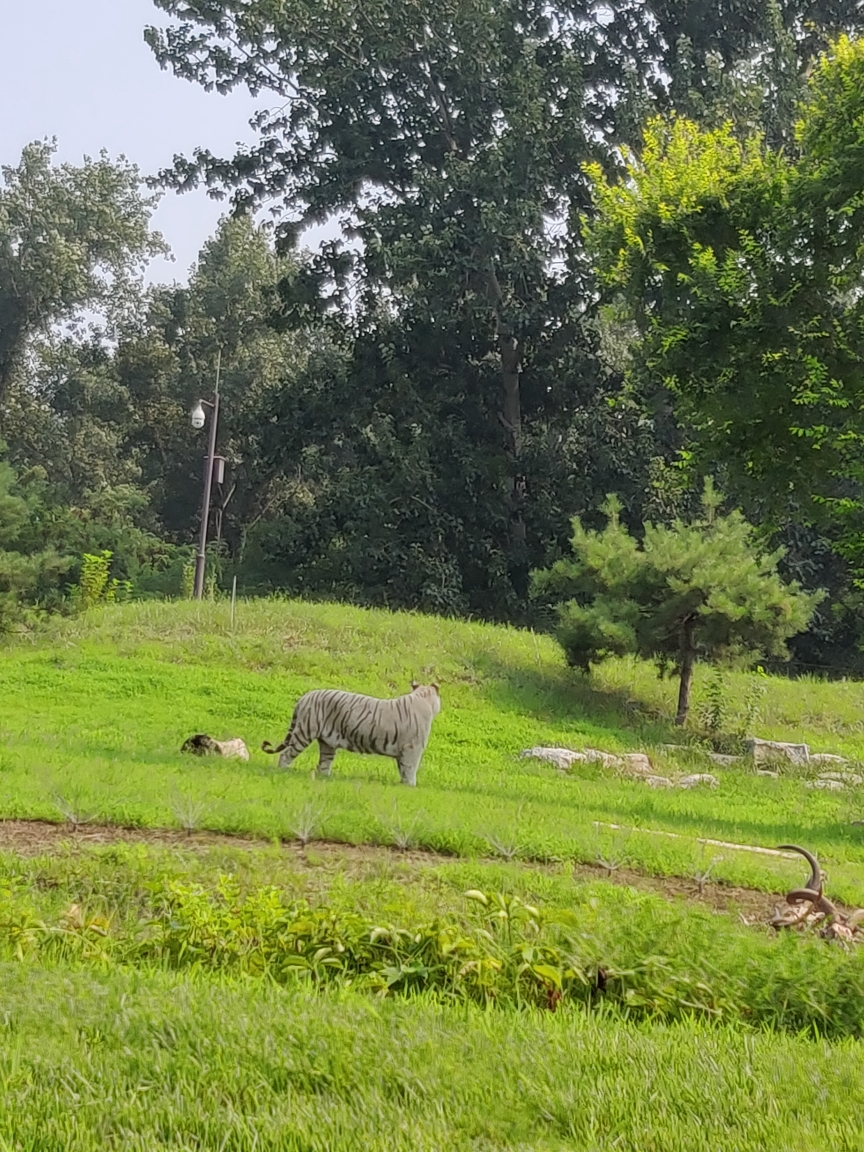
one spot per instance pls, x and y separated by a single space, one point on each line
268 747
289 736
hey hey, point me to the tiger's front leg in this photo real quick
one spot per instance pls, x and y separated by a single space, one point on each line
409 762
326 753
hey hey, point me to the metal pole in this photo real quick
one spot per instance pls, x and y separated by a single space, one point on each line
201 557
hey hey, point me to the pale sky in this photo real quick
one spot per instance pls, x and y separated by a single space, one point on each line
80 70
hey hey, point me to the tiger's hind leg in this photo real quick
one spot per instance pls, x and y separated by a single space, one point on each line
293 749
326 753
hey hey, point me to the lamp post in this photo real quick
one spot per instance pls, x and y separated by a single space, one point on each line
198 420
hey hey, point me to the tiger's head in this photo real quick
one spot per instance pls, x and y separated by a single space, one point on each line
430 693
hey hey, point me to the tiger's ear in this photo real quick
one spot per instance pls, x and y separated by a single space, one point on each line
437 688
414 685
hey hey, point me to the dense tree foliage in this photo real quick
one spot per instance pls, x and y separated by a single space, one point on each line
450 137
30 566
412 415
451 140
70 238
741 266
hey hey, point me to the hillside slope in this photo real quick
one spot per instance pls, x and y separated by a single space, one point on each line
93 712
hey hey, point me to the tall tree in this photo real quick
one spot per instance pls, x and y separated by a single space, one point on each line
742 266
105 412
30 564
169 359
70 239
739 60
450 138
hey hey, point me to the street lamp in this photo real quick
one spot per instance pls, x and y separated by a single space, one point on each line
198 421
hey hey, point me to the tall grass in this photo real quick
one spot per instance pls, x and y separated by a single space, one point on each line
579 946
134 1062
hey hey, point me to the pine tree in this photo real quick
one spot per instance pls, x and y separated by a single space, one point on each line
685 592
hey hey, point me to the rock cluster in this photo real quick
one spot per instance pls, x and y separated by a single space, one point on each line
775 752
636 764
761 754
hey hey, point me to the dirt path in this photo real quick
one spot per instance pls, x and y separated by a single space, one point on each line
38 837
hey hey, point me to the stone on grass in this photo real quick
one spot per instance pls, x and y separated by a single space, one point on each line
201 745
827 758
607 759
825 785
637 763
562 758
724 761
658 781
767 772
632 763
698 778
565 758
843 777
772 751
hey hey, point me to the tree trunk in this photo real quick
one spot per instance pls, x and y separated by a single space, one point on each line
688 663
12 336
510 351
510 415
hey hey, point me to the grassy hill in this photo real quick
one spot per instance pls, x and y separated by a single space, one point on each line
92 716
186 991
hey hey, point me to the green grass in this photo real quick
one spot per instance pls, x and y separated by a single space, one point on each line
93 714
117 1039
495 935
151 1060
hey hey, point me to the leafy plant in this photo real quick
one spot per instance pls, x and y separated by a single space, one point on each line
95 583
753 700
71 807
188 580
703 875
712 714
305 824
401 833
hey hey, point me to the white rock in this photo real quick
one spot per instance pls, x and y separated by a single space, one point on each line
607 759
827 758
565 758
675 747
770 751
767 772
843 777
724 761
658 781
562 758
637 763
698 778
826 785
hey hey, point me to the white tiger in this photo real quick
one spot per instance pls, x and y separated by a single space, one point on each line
399 727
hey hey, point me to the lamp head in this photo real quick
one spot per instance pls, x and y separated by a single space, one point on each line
198 415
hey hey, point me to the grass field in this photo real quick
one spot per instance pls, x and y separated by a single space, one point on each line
144 1000
92 717
147 1060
